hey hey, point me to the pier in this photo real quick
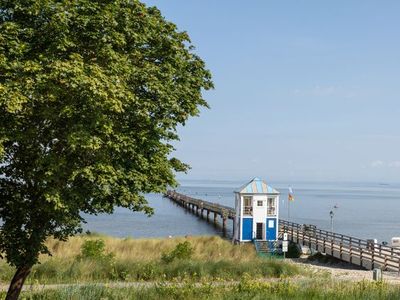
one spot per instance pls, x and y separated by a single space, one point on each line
199 207
346 248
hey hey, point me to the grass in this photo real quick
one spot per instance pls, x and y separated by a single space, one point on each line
210 268
213 258
246 289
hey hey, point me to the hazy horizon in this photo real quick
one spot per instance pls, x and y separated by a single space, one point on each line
303 90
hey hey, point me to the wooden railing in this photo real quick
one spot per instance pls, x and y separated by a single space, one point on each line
347 248
224 211
247 210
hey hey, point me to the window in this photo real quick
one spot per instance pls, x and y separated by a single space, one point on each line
271 206
271 224
259 203
247 206
247 201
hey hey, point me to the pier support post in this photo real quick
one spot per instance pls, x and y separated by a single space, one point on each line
208 215
224 224
215 218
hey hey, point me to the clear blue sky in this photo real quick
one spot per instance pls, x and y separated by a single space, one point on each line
304 90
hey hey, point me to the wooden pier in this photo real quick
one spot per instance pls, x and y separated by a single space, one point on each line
198 207
350 249
346 248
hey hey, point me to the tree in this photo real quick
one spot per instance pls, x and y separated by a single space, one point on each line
91 94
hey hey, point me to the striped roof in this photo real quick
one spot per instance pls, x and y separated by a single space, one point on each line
256 186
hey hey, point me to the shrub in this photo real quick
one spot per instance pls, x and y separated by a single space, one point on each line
293 251
182 251
95 249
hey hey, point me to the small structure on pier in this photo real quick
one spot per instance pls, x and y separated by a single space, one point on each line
256 212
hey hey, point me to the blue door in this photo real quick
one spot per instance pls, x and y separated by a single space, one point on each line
271 229
247 229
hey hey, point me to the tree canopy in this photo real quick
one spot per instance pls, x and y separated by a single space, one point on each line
91 94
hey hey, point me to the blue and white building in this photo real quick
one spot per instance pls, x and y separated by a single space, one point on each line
257 211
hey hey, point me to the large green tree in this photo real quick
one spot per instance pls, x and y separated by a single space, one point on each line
91 94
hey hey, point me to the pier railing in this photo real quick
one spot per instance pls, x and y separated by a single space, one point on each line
347 248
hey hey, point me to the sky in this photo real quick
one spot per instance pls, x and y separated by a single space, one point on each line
304 90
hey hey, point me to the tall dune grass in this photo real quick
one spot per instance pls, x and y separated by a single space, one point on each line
205 247
140 260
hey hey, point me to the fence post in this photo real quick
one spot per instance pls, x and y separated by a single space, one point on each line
292 236
351 254
385 263
399 266
373 257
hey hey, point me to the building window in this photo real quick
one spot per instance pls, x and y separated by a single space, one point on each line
247 206
259 203
271 206
271 224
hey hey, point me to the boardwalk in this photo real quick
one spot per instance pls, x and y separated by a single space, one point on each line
350 249
199 206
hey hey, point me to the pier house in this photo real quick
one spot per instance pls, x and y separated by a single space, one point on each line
257 212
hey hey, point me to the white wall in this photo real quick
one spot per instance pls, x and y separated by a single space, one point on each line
238 210
259 212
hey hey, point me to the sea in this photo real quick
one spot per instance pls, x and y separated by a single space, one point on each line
362 210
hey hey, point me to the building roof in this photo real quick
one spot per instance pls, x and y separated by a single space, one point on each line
256 186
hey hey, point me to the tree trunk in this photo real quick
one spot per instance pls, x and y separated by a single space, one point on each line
17 282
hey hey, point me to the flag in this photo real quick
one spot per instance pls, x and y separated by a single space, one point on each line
290 194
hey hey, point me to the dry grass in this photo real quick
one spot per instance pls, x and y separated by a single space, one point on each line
209 248
213 258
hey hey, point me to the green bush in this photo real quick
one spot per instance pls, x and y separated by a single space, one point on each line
94 249
182 251
293 251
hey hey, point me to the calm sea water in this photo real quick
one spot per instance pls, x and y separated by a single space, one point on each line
363 210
